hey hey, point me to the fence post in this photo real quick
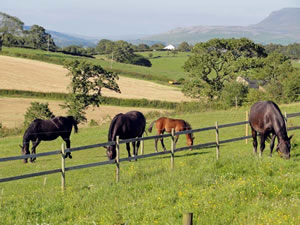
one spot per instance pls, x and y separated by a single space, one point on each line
172 147
187 219
285 119
63 166
117 159
217 141
247 126
142 146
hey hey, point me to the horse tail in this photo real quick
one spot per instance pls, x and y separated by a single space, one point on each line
74 123
151 125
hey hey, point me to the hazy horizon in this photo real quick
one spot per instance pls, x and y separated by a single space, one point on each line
92 18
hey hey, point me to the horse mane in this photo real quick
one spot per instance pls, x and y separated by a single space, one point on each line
150 126
112 125
188 127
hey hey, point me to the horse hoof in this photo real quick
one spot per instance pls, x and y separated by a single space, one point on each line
24 161
70 156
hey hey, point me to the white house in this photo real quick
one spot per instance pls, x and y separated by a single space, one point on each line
170 47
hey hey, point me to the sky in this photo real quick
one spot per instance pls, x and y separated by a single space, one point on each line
100 18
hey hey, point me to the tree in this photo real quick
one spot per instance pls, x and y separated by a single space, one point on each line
105 47
234 92
87 82
218 61
143 47
157 46
37 38
184 47
274 67
124 53
37 110
1 41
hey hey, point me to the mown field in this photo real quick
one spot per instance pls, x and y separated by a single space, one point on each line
18 106
159 72
237 189
45 77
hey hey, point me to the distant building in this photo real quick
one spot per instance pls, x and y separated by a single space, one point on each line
169 47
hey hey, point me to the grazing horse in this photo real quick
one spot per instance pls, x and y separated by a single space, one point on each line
48 130
129 125
167 124
266 119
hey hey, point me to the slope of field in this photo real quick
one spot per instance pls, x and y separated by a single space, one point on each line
237 189
12 111
24 74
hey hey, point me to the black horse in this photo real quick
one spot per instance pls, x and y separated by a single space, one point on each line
266 119
48 130
128 125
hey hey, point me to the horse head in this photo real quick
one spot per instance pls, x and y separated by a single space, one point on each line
284 148
111 152
24 150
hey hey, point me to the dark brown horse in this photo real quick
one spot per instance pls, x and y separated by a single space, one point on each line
167 124
266 119
48 130
126 126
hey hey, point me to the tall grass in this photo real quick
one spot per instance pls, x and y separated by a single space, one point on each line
237 189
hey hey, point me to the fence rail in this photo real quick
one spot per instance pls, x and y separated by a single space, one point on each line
173 150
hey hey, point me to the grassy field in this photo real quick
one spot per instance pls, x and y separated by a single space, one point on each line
38 76
237 189
158 73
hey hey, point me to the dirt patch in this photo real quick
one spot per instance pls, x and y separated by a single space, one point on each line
31 75
12 111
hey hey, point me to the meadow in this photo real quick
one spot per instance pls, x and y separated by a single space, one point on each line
239 188
165 67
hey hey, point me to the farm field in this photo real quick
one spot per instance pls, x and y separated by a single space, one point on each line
24 74
237 189
159 72
12 111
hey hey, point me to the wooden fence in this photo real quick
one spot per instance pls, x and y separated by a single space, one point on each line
118 142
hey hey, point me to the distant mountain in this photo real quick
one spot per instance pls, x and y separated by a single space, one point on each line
280 27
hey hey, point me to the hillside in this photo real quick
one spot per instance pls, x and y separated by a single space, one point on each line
281 27
45 77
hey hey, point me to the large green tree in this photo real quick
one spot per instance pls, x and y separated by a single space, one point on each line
87 82
218 61
38 38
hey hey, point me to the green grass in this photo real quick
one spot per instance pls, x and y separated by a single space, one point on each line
296 63
237 189
164 68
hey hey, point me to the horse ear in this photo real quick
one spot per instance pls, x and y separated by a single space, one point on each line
290 137
21 146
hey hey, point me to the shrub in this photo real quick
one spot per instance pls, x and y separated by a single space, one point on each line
255 95
37 111
233 93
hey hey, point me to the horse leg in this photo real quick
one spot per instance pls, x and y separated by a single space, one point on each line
162 144
68 143
156 140
134 150
137 147
272 144
254 136
262 144
34 145
128 150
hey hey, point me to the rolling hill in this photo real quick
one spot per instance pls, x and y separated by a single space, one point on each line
280 27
